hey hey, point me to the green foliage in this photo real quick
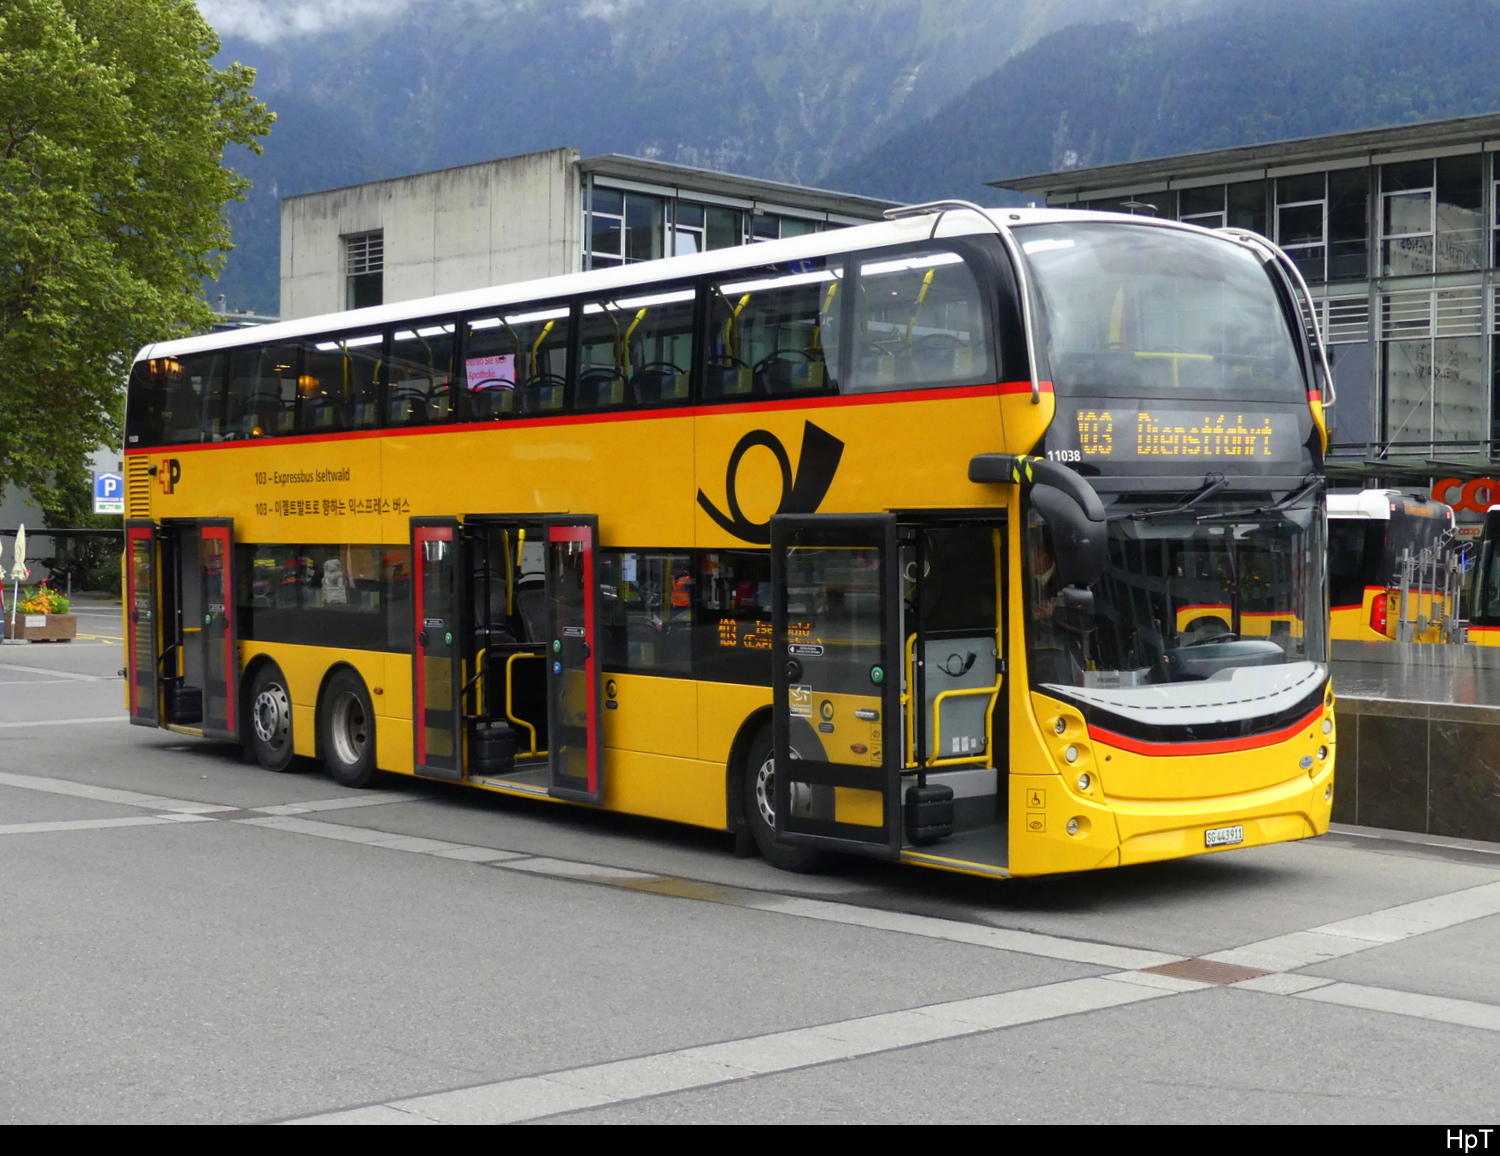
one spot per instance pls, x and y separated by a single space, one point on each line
113 125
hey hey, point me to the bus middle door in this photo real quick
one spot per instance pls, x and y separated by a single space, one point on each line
438 632
574 725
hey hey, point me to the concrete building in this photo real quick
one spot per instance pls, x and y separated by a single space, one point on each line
530 216
1398 233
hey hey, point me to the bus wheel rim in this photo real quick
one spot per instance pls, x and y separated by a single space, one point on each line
765 792
272 715
351 731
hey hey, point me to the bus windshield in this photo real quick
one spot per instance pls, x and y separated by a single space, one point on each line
1139 310
1211 595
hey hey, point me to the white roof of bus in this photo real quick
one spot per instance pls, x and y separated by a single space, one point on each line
954 223
1362 504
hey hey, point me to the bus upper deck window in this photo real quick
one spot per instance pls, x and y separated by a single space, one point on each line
516 363
920 321
775 332
419 386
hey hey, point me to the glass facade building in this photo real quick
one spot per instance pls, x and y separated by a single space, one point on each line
1397 232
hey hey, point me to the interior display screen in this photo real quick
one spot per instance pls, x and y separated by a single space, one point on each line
1105 433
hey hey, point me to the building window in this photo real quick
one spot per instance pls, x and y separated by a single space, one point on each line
1203 207
1239 206
624 227
1459 214
1301 226
1432 367
1348 224
364 270
698 228
1432 215
774 227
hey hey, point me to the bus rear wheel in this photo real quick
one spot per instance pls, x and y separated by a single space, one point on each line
270 729
346 730
758 802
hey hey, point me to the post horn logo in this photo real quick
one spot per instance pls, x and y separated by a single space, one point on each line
800 494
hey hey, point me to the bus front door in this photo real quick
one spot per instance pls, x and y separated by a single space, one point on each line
572 656
836 682
181 624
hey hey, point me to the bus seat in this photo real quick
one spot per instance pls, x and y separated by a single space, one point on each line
493 399
531 607
600 387
727 376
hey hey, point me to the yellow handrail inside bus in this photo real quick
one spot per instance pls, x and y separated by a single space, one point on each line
921 297
537 345
479 680
510 712
909 701
817 334
1177 359
625 341
989 726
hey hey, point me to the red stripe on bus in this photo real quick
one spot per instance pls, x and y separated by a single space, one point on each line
892 398
1219 747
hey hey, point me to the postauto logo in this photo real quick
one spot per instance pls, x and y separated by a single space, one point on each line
168 473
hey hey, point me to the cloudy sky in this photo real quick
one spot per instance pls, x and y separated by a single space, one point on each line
267 20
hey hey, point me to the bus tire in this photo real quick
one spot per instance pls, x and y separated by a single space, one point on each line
757 779
346 730
269 733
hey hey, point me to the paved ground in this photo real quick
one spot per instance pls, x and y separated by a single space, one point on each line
188 938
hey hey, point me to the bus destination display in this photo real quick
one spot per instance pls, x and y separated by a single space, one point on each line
1141 435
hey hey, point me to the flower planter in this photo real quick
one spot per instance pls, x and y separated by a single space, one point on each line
41 627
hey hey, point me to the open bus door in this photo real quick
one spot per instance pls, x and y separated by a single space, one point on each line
439 628
836 718
574 702
180 597
505 677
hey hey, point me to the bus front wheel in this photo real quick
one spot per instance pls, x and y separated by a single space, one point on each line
758 794
270 729
346 726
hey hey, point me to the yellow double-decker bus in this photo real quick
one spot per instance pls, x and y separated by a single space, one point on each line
872 541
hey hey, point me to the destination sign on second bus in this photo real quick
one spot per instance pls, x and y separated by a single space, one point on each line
1128 435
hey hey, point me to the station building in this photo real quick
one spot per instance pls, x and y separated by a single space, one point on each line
1397 231
519 218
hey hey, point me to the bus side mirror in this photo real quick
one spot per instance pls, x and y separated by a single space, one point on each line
1079 540
1067 503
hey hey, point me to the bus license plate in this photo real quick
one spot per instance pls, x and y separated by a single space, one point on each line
1223 836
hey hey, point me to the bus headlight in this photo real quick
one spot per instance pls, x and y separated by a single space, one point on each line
1060 726
1328 726
1071 754
1084 782
1322 753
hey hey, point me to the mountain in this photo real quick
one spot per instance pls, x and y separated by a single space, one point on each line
782 89
1244 74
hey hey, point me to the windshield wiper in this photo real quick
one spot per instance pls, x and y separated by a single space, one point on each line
1309 484
1212 484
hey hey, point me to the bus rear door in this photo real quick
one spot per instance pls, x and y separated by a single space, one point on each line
836 682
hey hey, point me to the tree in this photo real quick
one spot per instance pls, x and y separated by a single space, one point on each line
113 127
